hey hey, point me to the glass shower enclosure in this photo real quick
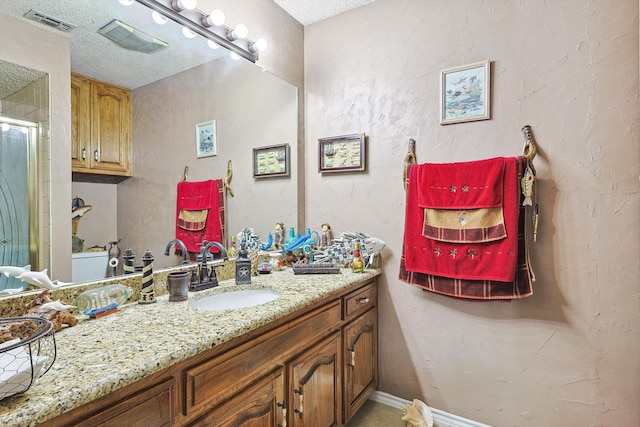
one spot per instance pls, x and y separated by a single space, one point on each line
18 199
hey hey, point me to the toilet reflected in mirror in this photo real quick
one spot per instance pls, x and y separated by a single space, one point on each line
88 266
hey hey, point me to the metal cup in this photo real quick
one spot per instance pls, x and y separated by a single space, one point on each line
178 285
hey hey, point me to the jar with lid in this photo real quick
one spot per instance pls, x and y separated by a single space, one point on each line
275 259
104 297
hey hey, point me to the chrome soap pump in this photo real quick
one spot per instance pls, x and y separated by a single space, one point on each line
243 267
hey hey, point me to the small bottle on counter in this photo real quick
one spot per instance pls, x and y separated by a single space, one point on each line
103 297
357 263
232 251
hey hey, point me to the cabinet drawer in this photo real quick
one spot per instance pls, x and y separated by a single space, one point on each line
217 379
360 300
150 407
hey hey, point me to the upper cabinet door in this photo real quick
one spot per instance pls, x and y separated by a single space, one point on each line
101 128
80 122
110 128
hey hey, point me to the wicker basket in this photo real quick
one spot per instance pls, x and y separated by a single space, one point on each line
22 361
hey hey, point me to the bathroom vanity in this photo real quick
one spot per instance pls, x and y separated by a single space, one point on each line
307 358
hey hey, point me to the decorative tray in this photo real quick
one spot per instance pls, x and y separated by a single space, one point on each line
316 268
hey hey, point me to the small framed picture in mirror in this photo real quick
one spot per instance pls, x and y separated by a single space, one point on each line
206 141
342 153
271 161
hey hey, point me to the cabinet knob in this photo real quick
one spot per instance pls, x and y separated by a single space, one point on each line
96 156
84 154
362 301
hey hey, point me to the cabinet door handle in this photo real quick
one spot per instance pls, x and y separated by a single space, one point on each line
96 156
283 405
84 154
299 393
352 357
362 300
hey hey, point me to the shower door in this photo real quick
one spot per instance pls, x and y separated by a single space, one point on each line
18 200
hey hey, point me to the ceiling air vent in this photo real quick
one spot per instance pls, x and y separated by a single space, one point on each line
131 38
50 21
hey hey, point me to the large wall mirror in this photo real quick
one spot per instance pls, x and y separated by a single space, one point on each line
173 90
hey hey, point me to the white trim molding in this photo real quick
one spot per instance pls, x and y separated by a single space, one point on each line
440 418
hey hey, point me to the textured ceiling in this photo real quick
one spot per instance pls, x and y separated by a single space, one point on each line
309 11
95 56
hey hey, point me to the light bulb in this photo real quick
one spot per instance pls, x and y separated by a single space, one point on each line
188 33
126 2
5 127
234 56
158 18
180 5
259 45
189 4
212 44
241 31
216 17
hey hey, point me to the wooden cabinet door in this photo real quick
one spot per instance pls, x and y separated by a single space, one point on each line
314 394
110 128
360 361
80 122
259 405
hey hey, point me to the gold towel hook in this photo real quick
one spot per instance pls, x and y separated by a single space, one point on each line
227 179
409 159
185 174
530 148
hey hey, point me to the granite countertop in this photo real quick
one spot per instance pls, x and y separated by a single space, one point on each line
99 356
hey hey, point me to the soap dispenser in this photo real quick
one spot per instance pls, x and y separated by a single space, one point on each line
243 267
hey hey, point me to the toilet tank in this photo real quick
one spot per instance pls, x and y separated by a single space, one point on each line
87 266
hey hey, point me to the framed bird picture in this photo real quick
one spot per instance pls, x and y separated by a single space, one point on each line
465 93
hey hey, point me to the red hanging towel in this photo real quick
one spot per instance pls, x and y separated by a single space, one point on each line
458 187
200 213
519 287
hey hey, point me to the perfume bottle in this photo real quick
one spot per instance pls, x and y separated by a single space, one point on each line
232 251
357 263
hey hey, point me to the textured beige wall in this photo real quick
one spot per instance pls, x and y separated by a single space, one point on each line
570 354
51 55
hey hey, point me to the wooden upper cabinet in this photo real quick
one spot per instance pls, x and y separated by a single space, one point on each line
101 127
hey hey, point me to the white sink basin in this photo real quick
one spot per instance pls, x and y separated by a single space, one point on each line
234 299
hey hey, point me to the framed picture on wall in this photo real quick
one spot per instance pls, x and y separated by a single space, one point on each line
465 93
342 153
206 142
271 161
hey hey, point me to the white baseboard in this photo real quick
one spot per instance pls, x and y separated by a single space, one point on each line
440 418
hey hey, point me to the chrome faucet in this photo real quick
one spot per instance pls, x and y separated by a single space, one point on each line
182 247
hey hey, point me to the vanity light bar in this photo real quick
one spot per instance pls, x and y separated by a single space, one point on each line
192 19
